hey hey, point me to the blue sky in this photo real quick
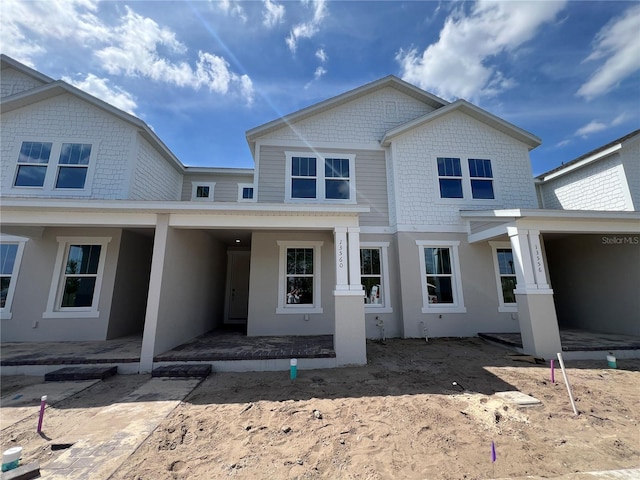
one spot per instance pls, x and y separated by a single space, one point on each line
201 73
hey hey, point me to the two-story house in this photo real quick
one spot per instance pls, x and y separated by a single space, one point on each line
384 211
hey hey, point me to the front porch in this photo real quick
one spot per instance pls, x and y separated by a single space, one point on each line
579 344
224 350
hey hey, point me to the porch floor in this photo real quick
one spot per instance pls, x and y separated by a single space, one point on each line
217 345
575 340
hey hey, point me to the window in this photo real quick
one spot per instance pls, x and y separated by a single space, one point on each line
202 191
481 178
441 279
505 276
322 177
75 289
450 177
11 249
470 178
32 164
245 192
299 285
374 276
73 165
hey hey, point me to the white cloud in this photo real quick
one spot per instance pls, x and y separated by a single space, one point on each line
273 13
231 8
321 55
320 71
619 43
461 64
591 127
99 87
310 28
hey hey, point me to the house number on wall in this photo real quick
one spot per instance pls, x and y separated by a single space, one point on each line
340 254
538 258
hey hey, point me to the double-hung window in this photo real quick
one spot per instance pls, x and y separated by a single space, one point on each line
481 178
441 278
320 177
11 249
73 165
465 178
299 278
505 276
77 281
32 164
450 177
374 276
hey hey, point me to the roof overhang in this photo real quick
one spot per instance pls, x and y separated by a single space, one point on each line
475 112
8 62
41 213
484 225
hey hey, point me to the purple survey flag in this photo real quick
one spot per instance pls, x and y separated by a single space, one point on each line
493 451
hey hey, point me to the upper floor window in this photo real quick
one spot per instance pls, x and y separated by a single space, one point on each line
202 190
32 164
73 165
481 178
321 177
450 177
441 277
470 179
11 249
246 192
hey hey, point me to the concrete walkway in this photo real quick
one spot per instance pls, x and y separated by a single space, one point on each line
101 446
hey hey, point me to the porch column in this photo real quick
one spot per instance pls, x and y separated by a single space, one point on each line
349 340
153 298
536 310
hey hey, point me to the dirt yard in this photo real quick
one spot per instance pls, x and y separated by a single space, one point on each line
401 416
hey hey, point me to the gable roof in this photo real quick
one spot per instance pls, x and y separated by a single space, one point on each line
8 62
58 87
589 157
388 81
468 108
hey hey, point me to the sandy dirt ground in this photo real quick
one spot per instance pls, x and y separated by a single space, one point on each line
401 416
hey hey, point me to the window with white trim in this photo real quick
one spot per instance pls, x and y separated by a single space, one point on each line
374 276
11 249
320 177
440 277
32 164
77 280
468 178
505 273
246 192
299 277
73 165
202 191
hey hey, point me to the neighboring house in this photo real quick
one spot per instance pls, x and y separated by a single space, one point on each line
384 210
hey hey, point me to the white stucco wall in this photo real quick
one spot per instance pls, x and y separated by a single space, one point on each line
414 157
12 82
601 185
360 121
153 177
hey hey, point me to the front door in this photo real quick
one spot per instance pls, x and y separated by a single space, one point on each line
237 303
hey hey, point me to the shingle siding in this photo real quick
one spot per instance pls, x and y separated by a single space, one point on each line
12 82
154 178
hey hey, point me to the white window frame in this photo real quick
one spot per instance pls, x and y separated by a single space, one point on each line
385 306
194 191
60 166
320 178
285 308
502 306
54 310
241 187
51 176
458 298
467 194
5 312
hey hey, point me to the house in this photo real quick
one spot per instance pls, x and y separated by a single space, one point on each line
383 211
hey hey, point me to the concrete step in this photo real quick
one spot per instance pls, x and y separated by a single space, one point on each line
80 373
183 370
